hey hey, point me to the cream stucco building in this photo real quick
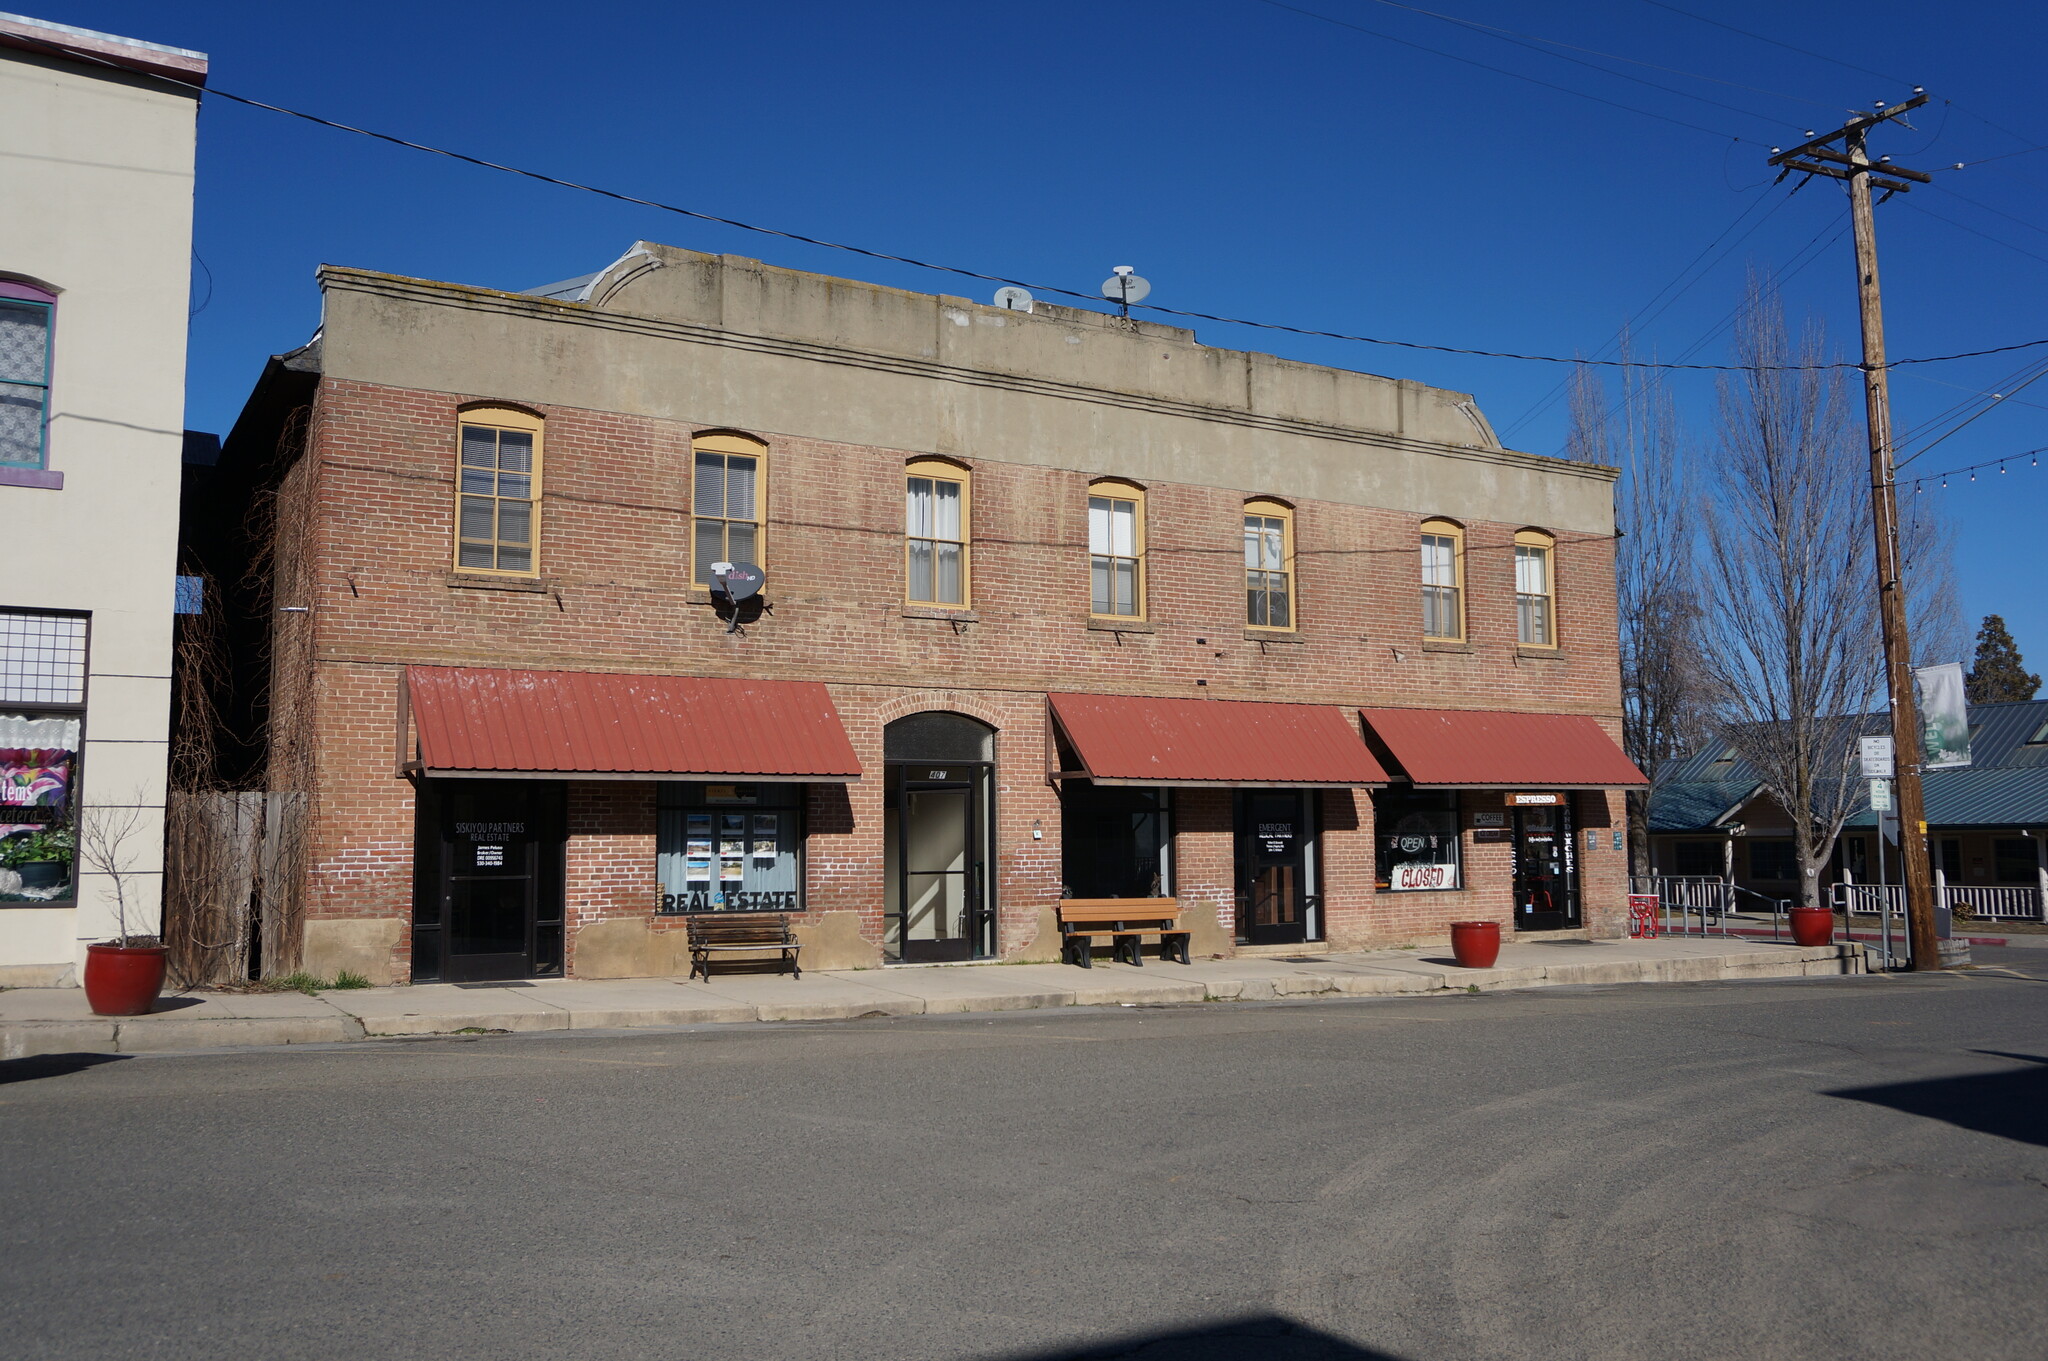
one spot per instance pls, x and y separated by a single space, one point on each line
97 138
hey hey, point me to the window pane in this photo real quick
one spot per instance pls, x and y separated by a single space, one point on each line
24 341
710 548
1251 542
42 660
516 485
476 518
515 559
1255 599
21 425
1098 525
477 555
918 515
945 510
709 496
479 447
515 521
515 451
1532 614
739 541
1098 585
921 569
1531 574
739 488
1123 532
1126 583
1279 609
1439 561
1416 833
950 558
478 480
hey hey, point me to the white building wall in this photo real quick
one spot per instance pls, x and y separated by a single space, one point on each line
98 169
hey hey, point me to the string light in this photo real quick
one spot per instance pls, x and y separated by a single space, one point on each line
2033 457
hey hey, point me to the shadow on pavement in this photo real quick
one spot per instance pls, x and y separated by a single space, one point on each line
52 1065
2012 1105
1257 1337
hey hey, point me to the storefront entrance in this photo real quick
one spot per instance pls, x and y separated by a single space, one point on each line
1277 899
491 880
938 839
1546 867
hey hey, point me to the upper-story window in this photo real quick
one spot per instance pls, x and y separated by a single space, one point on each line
1116 550
497 497
25 316
1268 565
1535 590
935 544
729 477
1443 580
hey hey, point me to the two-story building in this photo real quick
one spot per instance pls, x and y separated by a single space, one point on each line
97 134
1050 604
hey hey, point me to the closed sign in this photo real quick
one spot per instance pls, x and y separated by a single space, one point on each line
1424 876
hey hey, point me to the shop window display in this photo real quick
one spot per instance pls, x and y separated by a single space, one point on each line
1416 841
730 848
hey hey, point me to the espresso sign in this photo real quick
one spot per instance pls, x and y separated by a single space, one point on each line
1535 800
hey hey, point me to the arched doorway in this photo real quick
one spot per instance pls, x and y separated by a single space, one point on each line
938 832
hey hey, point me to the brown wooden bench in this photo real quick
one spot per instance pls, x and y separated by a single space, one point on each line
719 933
1126 921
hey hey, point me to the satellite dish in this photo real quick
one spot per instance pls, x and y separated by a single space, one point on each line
1014 299
1125 287
737 581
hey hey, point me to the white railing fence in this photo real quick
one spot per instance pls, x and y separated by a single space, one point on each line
1966 902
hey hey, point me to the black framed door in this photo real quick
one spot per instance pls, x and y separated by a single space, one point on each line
490 905
1276 867
938 904
1546 868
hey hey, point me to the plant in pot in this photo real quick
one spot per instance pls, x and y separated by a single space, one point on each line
42 857
124 976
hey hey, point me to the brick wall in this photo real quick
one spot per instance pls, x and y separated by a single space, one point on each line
613 595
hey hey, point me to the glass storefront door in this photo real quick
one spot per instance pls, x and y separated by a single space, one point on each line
1546 868
491 907
937 835
1277 900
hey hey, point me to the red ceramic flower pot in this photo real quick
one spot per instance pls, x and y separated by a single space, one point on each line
123 980
1475 944
1812 926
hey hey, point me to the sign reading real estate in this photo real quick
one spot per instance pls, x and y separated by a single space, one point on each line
1944 723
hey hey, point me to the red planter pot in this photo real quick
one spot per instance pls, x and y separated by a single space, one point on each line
1475 944
123 980
1812 926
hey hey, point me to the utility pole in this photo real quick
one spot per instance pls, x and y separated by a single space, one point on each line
1852 162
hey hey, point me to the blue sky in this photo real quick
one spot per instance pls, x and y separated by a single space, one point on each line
1251 160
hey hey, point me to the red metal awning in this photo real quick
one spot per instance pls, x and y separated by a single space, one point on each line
1488 749
585 725
1126 739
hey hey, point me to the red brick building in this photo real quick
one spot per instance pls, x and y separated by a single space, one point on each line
1055 605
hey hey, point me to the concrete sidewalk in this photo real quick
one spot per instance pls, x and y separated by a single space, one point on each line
57 1020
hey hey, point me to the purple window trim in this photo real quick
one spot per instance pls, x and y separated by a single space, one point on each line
27 292
31 477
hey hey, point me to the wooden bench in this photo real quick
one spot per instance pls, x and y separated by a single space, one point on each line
1126 921
719 933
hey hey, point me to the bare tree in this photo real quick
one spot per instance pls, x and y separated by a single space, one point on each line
1656 574
110 842
1789 637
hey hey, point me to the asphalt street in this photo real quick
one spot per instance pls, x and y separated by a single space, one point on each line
1851 1167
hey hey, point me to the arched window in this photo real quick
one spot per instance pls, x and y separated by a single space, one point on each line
935 544
497 493
1116 549
938 735
1535 589
728 499
1443 580
26 316
1268 564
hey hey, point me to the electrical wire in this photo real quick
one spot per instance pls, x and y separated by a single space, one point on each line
1964 226
2039 374
961 272
2033 457
1818 56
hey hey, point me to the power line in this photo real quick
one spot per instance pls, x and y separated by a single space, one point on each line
1054 289
1819 56
1966 227
1498 70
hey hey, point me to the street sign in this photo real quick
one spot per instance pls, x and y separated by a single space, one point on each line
1877 757
1880 796
1888 823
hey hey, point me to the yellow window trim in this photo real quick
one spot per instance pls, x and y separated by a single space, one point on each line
1536 538
492 416
945 469
1122 489
747 447
1281 511
1451 529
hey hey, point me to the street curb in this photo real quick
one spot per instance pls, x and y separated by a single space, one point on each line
1382 977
